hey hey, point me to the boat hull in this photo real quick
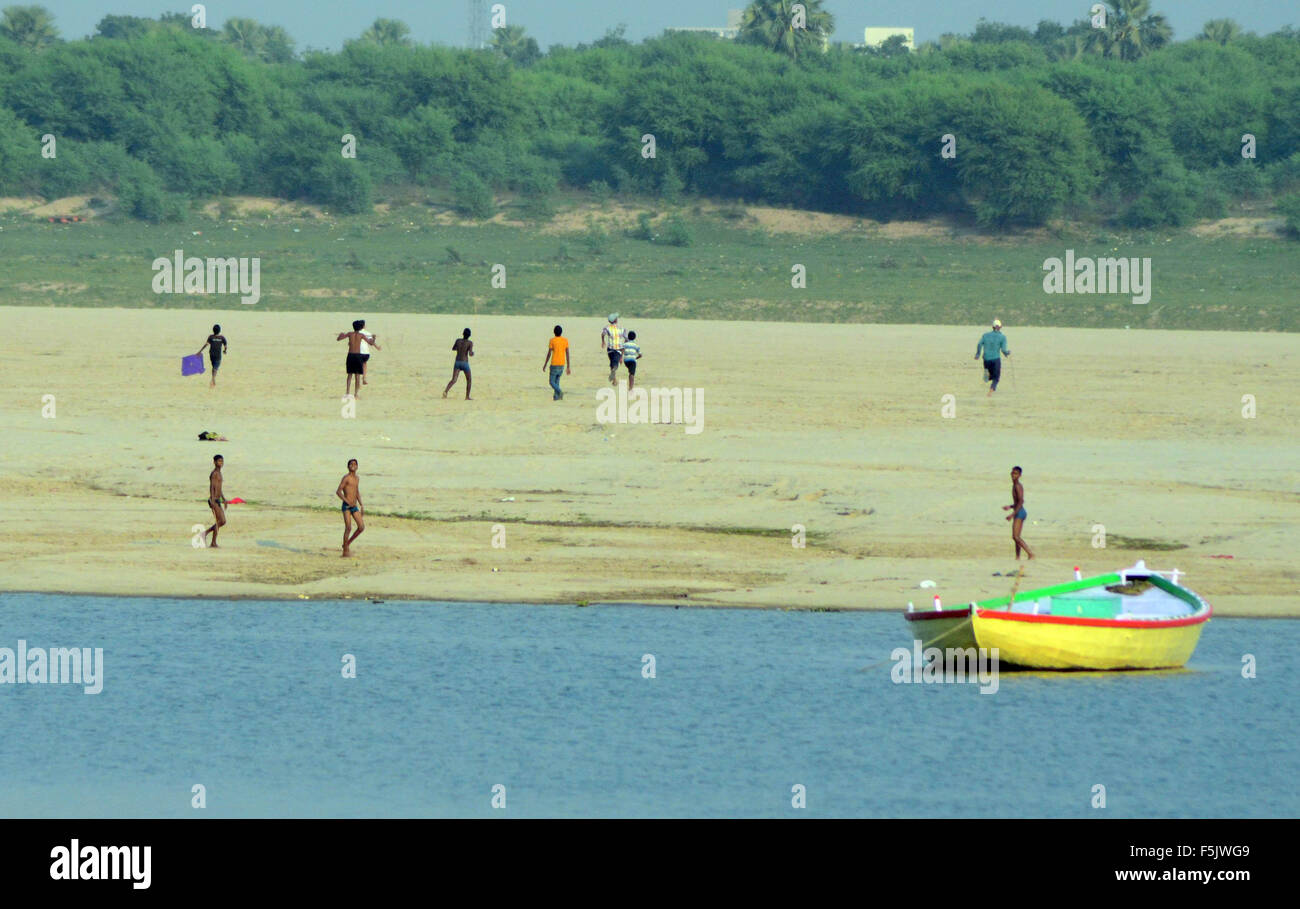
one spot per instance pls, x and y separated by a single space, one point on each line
942 627
1052 642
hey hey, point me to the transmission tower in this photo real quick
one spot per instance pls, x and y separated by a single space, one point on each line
477 24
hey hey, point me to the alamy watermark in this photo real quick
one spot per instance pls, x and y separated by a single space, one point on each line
952 664
75 862
655 405
58 665
1098 276
181 275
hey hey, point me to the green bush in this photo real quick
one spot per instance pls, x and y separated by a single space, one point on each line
644 230
1289 207
148 201
197 166
1284 175
341 183
471 197
1167 196
537 208
1163 204
19 156
1242 180
676 232
596 238
1212 202
671 185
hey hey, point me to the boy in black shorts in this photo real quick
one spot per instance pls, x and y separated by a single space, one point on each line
356 366
216 344
631 354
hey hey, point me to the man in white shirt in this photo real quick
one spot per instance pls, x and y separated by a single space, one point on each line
367 342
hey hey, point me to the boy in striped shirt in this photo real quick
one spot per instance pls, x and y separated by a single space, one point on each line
631 353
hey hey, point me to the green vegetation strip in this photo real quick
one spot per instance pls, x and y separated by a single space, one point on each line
397 263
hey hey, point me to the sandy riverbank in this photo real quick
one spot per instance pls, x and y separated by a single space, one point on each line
836 428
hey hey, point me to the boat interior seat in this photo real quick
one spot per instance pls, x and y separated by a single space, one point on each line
1154 603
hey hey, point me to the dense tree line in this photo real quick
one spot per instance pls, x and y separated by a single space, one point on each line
1120 124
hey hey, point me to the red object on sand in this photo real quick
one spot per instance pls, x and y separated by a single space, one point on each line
235 501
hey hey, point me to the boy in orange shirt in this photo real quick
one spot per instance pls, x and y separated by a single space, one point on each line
557 355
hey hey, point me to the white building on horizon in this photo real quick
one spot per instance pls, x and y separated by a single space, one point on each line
730 31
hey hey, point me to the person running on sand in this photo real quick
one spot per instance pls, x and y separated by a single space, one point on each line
216 501
1018 513
464 348
631 354
557 355
994 346
350 492
367 341
611 339
355 365
216 344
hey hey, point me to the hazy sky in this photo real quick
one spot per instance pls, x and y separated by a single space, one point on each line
326 23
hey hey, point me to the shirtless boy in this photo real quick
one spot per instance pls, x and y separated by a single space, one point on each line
216 501
355 365
464 348
350 492
1018 513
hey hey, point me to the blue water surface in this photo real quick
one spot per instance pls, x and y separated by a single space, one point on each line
248 699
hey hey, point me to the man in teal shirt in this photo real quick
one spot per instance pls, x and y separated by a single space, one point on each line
993 345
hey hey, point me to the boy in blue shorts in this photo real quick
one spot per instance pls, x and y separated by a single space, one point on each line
464 348
1018 513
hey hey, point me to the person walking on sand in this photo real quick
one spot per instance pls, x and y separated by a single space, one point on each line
216 344
216 501
611 339
464 348
993 345
631 354
355 365
350 492
557 356
367 341
1018 513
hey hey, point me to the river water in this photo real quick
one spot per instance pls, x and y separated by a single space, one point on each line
746 711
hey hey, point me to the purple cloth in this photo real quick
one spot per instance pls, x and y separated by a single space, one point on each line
192 365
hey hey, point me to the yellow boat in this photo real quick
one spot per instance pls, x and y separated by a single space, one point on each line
1132 619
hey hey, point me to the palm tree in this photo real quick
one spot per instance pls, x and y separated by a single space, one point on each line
267 43
388 31
771 24
511 42
246 35
29 26
279 45
1131 31
1067 47
1220 31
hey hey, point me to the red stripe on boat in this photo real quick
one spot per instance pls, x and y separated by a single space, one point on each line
1098 623
936 614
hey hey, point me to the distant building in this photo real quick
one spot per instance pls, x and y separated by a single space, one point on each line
874 37
731 30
